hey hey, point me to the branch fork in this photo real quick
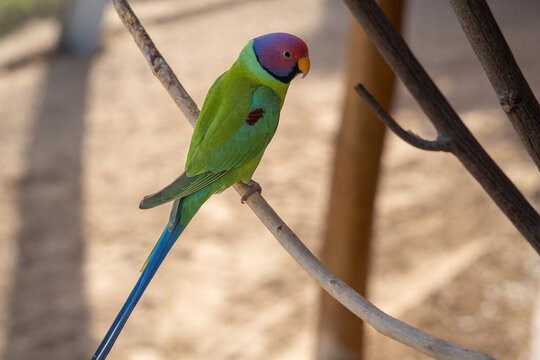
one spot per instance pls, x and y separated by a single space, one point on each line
453 135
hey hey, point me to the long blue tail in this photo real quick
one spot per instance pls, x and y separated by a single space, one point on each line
164 244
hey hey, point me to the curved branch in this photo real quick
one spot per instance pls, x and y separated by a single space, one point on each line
382 322
357 304
406 135
447 122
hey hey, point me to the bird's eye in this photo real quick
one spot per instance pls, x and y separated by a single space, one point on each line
287 54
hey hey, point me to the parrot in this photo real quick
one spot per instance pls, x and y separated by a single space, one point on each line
239 117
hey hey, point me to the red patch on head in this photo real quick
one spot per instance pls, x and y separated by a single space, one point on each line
254 116
279 53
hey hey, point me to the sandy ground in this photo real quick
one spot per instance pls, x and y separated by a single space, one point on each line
82 140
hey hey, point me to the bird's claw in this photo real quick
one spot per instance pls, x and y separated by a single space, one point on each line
253 187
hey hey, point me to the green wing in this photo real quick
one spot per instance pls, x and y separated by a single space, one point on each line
209 112
232 143
239 131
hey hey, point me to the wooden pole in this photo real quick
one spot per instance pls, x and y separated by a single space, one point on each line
356 172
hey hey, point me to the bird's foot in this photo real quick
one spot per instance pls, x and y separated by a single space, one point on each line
253 187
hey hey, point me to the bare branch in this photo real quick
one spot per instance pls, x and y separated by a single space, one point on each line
514 93
448 124
382 322
406 135
358 305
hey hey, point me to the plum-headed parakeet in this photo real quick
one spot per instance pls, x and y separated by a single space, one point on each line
238 119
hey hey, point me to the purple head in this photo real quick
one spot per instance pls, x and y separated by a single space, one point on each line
282 55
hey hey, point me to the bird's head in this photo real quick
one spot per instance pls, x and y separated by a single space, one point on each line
282 55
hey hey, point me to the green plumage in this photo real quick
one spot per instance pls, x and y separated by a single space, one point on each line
225 149
238 119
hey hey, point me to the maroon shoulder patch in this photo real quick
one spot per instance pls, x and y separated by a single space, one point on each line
254 116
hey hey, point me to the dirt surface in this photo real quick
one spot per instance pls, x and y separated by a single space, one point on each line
82 140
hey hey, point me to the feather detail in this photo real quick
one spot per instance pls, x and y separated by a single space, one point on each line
183 186
254 116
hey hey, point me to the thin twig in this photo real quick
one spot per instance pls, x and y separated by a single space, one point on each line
382 322
157 63
514 93
406 135
448 124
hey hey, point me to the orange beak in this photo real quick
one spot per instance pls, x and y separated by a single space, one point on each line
304 65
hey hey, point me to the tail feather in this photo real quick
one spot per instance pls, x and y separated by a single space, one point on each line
153 200
182 212
164 244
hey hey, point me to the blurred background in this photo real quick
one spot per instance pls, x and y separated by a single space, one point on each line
86 131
